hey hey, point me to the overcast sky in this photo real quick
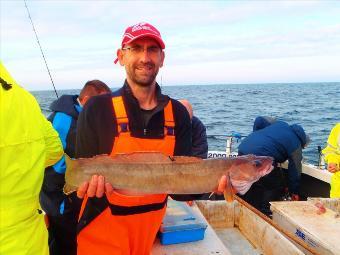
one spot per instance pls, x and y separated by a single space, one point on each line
207 42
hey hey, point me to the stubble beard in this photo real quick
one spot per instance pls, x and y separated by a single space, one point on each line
142 80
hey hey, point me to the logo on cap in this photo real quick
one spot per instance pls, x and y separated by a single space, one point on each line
144 26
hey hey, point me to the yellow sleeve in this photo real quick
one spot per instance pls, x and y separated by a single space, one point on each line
332 151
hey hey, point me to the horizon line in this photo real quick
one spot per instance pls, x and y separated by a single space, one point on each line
212 84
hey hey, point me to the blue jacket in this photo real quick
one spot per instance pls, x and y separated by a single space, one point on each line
282 142
262 122
64 119
199 138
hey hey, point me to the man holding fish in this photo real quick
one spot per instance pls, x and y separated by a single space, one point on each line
136 118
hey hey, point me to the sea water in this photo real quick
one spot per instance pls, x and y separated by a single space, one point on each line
229 108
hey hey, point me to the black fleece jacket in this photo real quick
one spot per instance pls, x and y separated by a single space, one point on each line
97 126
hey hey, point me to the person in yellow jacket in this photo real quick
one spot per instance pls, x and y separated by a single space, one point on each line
28 144
332 158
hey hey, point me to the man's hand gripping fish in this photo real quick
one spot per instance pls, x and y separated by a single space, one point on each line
155 173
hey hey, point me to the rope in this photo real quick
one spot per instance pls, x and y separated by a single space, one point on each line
42 53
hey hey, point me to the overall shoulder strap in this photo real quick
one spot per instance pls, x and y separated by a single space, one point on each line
121 116
169 122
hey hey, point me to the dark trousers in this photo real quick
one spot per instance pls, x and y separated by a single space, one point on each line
268 188
62 235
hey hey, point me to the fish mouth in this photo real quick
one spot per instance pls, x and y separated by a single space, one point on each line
267 169
265 165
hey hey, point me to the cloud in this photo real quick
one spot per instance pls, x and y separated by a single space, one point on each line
80 38
298 69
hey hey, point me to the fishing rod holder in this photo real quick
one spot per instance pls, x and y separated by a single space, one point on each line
230 140
321 161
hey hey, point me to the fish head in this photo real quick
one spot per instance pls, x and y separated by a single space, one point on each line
248 166
262 165
247 169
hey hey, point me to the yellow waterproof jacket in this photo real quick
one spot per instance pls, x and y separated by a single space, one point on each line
28 144
332 155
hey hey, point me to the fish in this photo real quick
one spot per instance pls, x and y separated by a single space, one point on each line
321 208
156 173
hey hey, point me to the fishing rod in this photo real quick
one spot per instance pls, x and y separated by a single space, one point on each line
42 53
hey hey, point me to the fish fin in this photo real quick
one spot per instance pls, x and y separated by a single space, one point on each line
68 161
229 191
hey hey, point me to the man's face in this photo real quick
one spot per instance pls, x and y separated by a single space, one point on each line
142 59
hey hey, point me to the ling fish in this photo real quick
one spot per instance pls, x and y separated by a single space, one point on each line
155 173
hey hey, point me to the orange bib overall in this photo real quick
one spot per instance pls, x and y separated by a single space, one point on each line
130 224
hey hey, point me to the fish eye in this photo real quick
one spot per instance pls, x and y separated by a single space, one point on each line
257 163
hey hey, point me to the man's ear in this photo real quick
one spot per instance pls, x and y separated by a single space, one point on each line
84 100
162 58
120 56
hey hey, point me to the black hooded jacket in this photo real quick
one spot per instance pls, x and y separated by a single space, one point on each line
68 105
65 112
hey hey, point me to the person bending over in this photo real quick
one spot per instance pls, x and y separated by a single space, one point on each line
282 142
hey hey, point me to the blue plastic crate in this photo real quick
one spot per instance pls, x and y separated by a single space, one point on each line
181 224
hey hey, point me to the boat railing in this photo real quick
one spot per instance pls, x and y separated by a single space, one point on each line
230 141
236 137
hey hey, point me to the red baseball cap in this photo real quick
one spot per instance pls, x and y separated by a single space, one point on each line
140 30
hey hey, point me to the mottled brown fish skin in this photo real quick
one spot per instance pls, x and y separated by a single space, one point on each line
155 173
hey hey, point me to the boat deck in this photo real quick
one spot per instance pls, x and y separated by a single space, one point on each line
236 242
211 244
232 229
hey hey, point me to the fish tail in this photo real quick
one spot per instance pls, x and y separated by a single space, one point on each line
70 166
68 161
68 189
